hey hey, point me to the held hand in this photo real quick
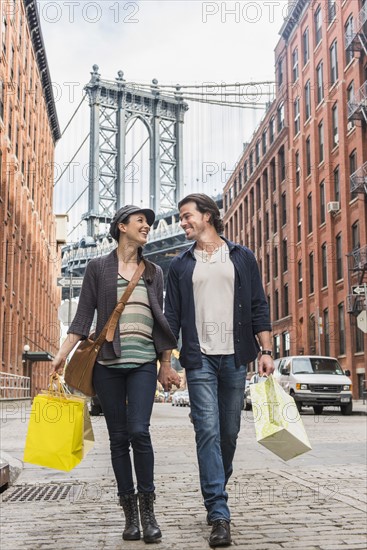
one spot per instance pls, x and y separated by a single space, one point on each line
167 376
266 365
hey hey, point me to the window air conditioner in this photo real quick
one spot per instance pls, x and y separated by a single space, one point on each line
333 207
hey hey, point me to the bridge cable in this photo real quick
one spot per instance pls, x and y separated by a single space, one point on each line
63 172
75 112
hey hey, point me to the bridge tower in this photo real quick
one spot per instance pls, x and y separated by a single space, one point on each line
113 106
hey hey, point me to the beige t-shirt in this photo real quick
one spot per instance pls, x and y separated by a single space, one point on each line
213 285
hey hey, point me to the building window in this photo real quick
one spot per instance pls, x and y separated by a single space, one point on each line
245 173
351 101
276 264
266 184
326 331
275 218
359 339
308 156
300 281
311 272
355 236
307 100
318 25
321 141
331 10
258 194
309 212
240 179
341 329
286 300
352 169
280 72
252 202
281 164
322 202
280 117
348 33
295 64
324 264
339 257
297 116
298 169
335 126
337 185
276 305
299 223
267 226
285 255
333 62
267 268
10 121
251 162
305 47
246 211
320 82
263 141
273 175
271 130
230 195
4 33
284 209
257 152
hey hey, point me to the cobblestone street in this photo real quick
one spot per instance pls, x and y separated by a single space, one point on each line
314 502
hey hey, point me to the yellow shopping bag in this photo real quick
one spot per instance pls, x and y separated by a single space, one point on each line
278 424
59 431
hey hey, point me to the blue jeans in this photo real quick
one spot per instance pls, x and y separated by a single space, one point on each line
216 397
127 397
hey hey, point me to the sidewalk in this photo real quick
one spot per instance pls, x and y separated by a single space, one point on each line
314 502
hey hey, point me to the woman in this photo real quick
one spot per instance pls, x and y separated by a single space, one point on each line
125 374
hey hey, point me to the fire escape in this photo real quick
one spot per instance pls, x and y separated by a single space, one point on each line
356 41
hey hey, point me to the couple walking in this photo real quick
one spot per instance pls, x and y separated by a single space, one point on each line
214 296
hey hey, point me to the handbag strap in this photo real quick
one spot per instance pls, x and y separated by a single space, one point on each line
108 330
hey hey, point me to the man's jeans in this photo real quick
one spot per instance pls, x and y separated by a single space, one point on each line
216 397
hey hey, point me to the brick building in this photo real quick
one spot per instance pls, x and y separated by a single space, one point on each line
29 257
301 203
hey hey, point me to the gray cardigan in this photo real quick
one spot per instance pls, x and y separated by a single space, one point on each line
99 292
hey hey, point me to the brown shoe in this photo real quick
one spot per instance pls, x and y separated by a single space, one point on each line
221 533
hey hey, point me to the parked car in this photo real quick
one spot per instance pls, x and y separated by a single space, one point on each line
316 381
181 398
255 378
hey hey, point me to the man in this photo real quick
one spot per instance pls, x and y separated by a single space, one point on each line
215 297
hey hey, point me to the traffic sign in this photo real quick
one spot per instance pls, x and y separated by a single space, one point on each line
359 289
362 321
67 281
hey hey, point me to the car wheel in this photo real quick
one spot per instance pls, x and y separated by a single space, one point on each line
247 405
346 409
299 406
317 409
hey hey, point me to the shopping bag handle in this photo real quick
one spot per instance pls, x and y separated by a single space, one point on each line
60 391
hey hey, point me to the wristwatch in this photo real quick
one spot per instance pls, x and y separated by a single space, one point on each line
267 352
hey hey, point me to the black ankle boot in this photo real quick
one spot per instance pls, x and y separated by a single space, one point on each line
151 531
129 504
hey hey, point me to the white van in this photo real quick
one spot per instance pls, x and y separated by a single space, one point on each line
316 381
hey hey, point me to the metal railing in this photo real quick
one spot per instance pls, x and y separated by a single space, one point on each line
358 30
358 180
358 105
14 386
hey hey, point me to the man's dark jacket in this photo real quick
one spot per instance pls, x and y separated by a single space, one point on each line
99 292
251 311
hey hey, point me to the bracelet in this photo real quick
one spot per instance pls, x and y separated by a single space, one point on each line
166 361
267 352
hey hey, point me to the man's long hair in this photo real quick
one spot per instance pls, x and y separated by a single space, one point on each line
205 204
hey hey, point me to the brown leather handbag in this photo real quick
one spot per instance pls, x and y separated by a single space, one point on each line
79 370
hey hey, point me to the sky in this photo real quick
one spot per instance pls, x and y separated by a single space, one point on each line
174 41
